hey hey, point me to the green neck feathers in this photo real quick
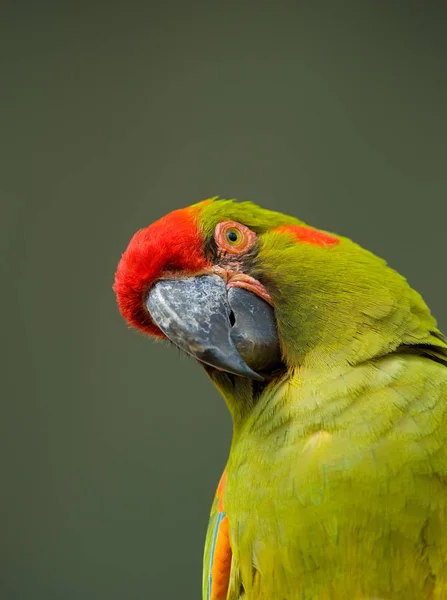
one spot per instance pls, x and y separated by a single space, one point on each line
337 306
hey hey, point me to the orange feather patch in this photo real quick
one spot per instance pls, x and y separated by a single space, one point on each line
220 560
220 571
309 235
220 491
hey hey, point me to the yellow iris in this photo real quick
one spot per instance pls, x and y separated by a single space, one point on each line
233 236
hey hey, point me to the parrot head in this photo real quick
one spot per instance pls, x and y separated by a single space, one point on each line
254 294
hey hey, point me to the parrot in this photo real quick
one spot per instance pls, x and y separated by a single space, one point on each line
334 372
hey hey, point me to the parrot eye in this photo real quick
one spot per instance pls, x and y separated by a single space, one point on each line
234 237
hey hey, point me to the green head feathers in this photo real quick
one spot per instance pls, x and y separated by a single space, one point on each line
334 302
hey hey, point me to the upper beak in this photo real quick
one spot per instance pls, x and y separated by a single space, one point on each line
233 331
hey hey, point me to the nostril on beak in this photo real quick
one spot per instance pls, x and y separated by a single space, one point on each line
232 318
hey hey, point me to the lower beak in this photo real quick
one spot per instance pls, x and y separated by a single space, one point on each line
233 331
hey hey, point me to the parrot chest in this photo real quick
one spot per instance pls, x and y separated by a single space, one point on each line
333 516
340 491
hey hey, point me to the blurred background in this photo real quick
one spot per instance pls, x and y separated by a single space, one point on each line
112 115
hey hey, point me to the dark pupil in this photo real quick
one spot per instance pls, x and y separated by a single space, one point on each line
232 236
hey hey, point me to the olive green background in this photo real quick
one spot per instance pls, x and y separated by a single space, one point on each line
112 115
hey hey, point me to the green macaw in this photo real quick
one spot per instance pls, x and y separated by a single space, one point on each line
335 375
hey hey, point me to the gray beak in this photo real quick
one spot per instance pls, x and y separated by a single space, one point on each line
233 331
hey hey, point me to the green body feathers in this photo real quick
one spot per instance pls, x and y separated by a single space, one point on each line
336 483
337 474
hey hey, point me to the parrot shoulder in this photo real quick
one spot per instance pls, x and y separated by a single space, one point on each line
221 578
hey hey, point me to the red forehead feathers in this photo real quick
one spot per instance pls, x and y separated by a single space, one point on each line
174 242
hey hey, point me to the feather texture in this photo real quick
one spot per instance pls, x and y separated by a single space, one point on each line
336 482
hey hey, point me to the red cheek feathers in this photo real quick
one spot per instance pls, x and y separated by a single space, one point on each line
309 235
173 243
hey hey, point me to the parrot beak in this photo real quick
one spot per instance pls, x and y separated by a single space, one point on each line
233 331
